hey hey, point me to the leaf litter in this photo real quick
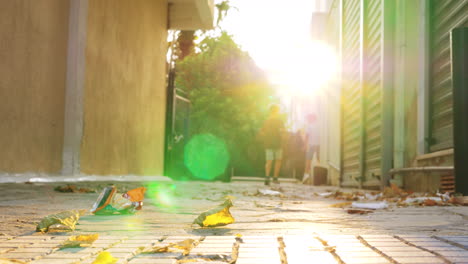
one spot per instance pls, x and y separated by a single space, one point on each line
390 196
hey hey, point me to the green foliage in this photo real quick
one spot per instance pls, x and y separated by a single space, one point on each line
229 95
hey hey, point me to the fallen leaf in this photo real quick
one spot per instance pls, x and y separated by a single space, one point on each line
63 221
105 258
358 211
219 216
276 220
80 241
73 189
183 246
461 200
396 189
430 202
206 258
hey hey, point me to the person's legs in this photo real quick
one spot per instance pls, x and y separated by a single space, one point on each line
277 170
308 162
278 160
269 160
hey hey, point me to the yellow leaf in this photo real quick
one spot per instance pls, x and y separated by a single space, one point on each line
105 258
80 241
218 216
64 221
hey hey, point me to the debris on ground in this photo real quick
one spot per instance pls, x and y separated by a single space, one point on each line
371 205
80 241
267 192
60 222
276 220
219 216
223 258
183 246
341 205
105 258
392 195
461 200
73 189
359 211
110 202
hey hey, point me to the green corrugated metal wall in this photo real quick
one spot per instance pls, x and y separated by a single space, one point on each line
445 15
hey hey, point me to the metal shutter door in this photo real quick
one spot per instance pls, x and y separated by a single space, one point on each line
445 15
351 96
372 92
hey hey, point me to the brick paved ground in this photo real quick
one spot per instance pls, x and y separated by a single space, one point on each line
313 248
298 227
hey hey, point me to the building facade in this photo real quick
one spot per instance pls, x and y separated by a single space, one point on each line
394 91
83 83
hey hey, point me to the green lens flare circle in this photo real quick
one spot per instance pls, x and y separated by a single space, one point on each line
206 156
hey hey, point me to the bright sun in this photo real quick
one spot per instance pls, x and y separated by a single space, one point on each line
306 69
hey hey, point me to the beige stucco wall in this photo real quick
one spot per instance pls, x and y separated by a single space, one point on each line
124 97
33 49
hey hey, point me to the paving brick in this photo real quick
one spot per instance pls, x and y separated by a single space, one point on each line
215 245
417 260
258 261
122 249
144 237
358 254
168 255
366 260
264 253
352 249
454 253
457 259
43 245
122 255
22 256
398 249
53 261
415 253
386 244
431 244
315 257
14 245
33 250
152 261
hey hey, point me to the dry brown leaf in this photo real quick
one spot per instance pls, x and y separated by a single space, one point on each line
358 211
73 189
430 202
276 220
183 246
